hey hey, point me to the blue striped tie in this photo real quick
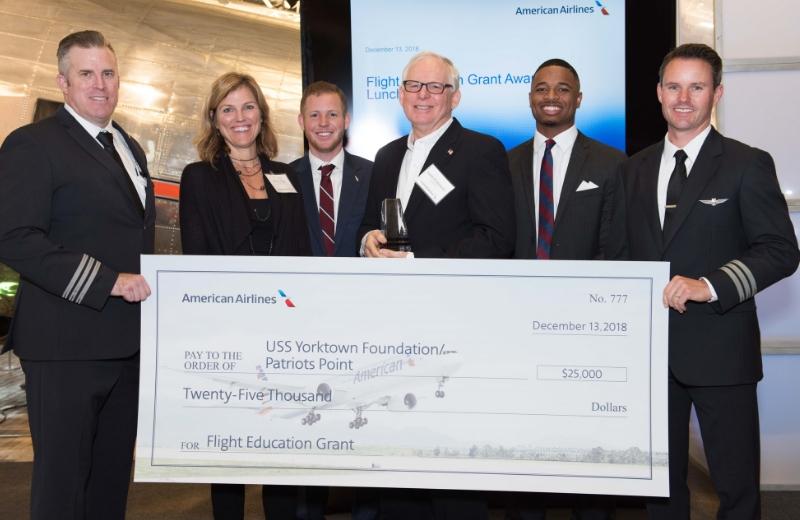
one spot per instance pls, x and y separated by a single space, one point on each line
547 213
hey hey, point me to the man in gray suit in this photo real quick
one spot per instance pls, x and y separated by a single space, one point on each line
564 187
583 183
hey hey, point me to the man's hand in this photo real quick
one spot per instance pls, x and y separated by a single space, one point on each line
372 246
131 287
680 289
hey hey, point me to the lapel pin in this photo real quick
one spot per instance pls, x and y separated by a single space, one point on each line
449 151
356 177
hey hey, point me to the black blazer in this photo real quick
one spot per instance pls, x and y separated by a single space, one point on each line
475 220
214 214
69 225
583 218
731 226
352 201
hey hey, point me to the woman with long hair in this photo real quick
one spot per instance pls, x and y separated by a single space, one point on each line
237 200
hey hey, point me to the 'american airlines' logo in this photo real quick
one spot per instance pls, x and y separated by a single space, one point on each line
286 299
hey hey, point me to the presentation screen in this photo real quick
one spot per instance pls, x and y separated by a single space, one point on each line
496 47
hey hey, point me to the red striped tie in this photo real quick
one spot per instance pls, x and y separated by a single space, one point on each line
547 213
326 212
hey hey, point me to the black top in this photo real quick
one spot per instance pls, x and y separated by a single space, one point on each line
259 242
215 214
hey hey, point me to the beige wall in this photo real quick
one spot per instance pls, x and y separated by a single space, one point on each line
169 52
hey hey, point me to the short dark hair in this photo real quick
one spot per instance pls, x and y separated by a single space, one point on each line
694 51
323 87
558 62
82 39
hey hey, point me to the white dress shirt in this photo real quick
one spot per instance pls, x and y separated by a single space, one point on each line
415 157
561 151
121 145
336 178
692 150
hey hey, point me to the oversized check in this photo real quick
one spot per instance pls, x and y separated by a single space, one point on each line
470 374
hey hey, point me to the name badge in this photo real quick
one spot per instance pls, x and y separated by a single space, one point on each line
280 182
434 184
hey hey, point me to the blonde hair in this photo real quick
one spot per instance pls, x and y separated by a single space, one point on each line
209 141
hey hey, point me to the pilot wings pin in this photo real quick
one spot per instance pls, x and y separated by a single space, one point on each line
713 201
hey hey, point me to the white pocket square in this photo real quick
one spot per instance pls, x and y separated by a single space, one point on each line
586 185
714 201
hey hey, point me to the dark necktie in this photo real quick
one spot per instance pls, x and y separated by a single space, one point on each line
326 211
677 180
547 213
107 140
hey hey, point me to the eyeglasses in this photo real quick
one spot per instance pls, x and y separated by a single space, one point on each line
433 87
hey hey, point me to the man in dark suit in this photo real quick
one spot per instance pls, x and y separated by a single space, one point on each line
453 183
584 172
76 211
324 120
564 188
455 188
332 227
712 207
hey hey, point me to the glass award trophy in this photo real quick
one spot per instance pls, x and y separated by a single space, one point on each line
394 226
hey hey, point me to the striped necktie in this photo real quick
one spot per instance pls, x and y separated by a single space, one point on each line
547 213
326 211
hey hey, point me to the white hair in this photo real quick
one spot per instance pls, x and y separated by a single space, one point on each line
452 71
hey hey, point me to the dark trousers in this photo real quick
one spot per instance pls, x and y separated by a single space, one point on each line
366 503
402 504
279 502
459 505
533 506
435 504
82 416
728 417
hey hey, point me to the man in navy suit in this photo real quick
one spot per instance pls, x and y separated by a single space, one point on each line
76 211
324 120
584 182
584 172
711 207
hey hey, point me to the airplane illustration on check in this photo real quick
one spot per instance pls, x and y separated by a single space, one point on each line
396 384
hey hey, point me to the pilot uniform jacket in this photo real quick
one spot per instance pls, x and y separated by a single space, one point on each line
215 217
350 210
474 220
583 218
69 224
732 227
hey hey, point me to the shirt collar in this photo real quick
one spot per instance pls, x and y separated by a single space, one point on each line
692 148
429 140
564 140
316 162
87 125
